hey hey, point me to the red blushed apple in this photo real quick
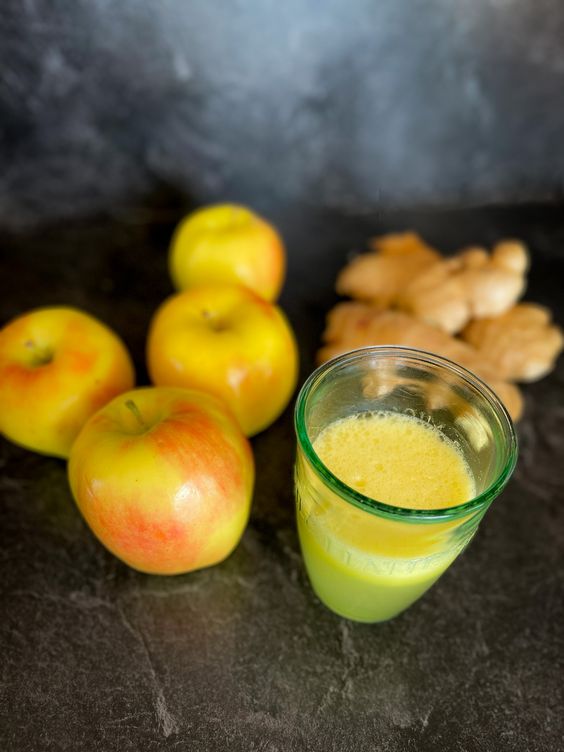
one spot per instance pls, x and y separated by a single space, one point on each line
164 478
58 366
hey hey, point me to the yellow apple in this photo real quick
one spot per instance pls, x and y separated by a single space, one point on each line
227 243
58 366
164 479
230 342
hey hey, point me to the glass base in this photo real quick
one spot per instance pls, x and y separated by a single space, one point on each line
360 595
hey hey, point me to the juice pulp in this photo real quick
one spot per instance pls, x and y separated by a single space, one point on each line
364 566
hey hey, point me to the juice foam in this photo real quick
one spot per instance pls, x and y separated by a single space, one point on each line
396 458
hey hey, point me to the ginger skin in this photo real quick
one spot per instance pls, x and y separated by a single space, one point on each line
522 344
403 272
351 325
406 293
471 285
380 276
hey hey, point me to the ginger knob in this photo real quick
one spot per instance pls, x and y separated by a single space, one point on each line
522 344
380 275
353 325
471 285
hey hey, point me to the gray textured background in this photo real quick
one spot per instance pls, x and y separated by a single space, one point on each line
344 104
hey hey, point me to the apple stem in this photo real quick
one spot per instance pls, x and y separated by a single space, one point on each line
130 404
214 322
42 356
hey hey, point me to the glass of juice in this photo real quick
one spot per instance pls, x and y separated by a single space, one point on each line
400 453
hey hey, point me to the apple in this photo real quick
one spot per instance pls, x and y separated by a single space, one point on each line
164 479
227 243
58 366
226 340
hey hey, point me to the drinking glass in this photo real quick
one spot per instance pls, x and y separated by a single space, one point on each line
368 560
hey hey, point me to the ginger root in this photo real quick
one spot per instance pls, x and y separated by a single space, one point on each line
352 325
380 276
471 285
405 273
406 293
522 344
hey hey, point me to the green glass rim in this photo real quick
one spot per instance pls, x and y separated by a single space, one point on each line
380 508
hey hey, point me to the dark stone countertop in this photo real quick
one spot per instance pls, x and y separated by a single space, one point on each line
242 656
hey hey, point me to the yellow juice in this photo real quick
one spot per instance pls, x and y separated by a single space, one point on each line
370 567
